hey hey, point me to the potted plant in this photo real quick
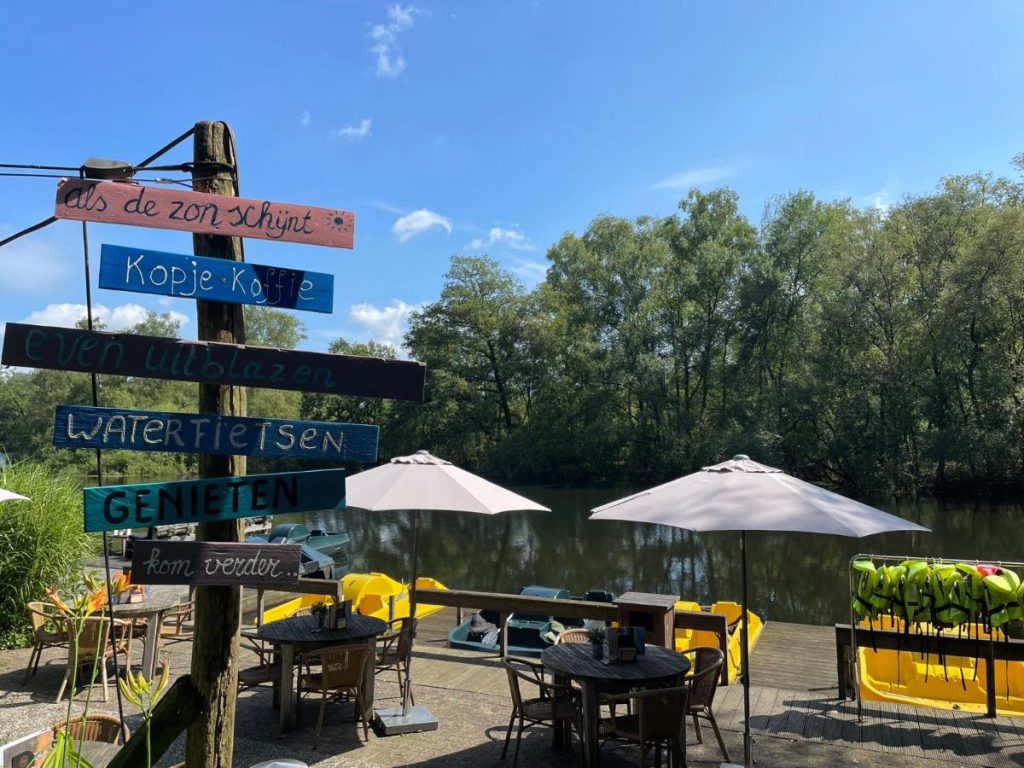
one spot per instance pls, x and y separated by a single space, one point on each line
596 637
319 610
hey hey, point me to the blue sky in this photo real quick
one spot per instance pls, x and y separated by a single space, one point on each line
489 126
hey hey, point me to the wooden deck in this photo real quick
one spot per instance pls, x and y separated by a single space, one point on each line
793 695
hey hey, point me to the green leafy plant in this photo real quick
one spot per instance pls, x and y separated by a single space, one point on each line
42 544
318 609
143 694
89 598
595 634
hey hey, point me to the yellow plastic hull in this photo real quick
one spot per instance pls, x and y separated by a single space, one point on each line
372 594
692 638
902 677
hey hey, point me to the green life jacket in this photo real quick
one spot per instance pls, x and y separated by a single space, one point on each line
912 599
973 585
1001 597
953 612
864 573
882 592
935 594
900 592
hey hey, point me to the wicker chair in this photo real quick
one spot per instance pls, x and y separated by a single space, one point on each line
96 726
554 704
394 648
342 672
703 687
266 672
174 627
577 635
47 632
658 717
96 635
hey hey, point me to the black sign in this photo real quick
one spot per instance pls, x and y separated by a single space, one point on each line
214 562
152 357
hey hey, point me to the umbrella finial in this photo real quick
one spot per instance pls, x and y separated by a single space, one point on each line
741 457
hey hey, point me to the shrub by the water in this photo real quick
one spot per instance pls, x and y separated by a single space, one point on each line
42 543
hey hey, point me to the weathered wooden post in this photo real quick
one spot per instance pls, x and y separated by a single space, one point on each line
218 609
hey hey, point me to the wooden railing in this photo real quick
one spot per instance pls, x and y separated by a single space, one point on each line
506 604
896 640
304 586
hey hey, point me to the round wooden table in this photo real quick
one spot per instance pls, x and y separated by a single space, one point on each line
152 610
658 667
301 634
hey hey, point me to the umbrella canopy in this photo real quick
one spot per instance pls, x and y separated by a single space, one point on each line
425 482
742 495
11 496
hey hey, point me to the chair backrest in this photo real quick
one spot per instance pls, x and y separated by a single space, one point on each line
95 635
707 663
96 726
406 633
661 712
520 670
307 611
573 636
39 613
343 666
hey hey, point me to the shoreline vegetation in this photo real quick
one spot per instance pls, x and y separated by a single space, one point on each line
876 351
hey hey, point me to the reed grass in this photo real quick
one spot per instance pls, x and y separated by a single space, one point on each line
42 542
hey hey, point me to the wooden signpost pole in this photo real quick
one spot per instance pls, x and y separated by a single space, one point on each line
218 608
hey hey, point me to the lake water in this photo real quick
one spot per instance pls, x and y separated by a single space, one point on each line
793 577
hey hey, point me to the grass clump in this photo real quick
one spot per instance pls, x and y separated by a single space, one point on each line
42 543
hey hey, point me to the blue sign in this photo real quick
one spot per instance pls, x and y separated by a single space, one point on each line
82 426
110 507
200 277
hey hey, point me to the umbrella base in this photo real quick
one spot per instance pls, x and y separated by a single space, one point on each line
391 721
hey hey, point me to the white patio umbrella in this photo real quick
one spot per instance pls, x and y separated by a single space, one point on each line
742 495
425 482
6 495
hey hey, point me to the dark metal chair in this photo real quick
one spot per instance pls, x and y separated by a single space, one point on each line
554 705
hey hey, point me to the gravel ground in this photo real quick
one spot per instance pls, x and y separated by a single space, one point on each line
472 726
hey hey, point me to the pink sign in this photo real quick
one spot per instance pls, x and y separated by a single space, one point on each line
114 202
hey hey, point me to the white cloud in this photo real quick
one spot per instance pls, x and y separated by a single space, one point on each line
356 133
304 119
384 324
34 265
418 222
501 237
695 177
114 318
530 271
881 200
390 62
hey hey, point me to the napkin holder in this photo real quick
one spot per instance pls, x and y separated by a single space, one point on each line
338 614
624 643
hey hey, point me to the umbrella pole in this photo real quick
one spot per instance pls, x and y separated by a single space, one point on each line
412 609
745 654
394 721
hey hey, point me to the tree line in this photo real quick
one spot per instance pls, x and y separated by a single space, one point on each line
878 351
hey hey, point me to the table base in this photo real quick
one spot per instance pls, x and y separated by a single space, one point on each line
391 721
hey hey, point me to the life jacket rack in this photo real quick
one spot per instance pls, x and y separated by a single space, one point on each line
955 602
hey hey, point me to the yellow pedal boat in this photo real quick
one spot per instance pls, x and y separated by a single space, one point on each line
372 594
902 677
692 638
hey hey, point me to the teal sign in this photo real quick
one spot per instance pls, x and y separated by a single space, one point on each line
111 507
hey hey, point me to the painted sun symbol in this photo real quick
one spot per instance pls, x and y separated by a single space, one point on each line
336 221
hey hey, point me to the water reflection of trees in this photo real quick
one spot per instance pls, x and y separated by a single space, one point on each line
792 577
